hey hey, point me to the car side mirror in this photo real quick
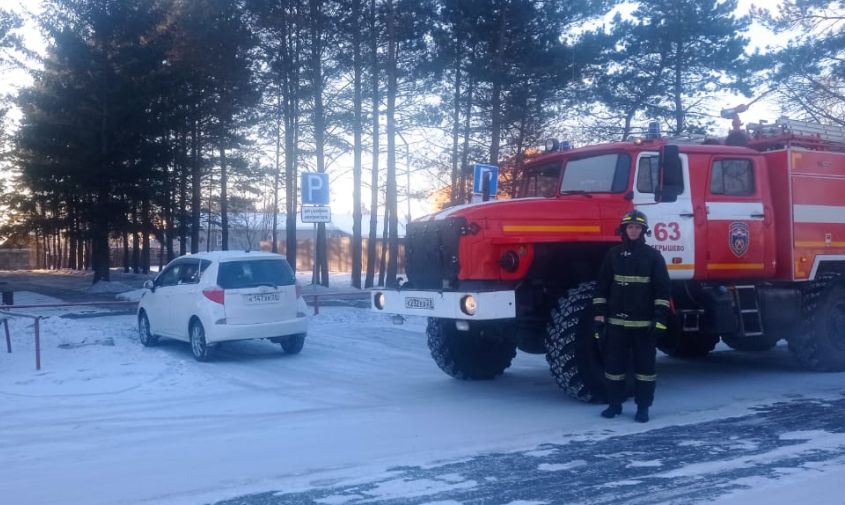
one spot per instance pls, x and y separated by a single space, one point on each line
148 284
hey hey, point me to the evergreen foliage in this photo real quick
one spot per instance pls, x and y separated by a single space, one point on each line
160 118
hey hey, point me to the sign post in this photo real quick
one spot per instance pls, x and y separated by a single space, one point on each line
315 205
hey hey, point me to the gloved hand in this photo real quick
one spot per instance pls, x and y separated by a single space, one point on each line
598 330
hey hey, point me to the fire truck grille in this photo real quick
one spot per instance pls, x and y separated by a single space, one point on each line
431 253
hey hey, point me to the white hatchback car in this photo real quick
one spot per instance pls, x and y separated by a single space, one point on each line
214 297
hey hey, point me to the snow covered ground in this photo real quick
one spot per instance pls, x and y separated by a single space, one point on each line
107 421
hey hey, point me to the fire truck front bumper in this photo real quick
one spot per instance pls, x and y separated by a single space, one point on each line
485 305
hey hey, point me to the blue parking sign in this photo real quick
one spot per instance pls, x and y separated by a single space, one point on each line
315 188
480 172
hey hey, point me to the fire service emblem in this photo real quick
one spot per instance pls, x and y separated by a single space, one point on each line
738 239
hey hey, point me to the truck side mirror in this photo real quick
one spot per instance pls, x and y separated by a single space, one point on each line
671 177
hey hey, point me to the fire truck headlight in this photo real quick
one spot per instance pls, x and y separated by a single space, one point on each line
378 300
468 305
509 261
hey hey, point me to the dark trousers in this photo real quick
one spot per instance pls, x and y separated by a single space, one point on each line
619 344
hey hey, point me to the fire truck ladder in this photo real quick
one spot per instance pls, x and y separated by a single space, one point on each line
832 133
748 310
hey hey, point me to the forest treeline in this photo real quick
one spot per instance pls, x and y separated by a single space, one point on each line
157 118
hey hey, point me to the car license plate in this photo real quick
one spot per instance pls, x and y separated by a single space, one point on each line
414 302
263 298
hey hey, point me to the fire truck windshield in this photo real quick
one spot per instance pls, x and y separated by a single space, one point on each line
540 181
605 173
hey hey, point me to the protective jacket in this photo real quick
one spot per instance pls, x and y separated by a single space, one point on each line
633 288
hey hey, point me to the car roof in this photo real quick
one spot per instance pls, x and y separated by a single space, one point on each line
222 256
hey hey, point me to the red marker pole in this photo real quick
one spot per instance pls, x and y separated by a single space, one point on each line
8 339
37 343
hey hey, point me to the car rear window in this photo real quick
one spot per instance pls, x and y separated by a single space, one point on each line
250 273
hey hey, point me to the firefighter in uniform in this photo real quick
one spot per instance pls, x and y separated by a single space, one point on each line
631 304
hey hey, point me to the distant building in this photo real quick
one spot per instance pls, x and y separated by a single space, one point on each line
253 231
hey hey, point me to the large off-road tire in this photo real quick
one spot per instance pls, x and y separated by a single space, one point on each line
144 334
820 343
481 353
571 350
687 345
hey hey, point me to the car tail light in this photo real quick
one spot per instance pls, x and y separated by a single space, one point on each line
215 294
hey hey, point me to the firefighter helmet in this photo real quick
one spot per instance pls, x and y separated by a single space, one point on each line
635 217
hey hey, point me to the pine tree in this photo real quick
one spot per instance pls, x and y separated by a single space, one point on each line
808 74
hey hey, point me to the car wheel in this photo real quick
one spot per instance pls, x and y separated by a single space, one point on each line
144 335
293 344
199 346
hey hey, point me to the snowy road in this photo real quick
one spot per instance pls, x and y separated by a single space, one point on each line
363 414
713 461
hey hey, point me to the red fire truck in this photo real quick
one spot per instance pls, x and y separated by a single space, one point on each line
753 236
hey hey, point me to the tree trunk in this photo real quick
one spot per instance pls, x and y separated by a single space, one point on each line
456 127
100 246
126 254
374 83
224 201
356 144
146 229
467 134
183 196
136 252
168 215
291 117
100 228
391 202
208 215
80 253
321 270
196 188
496 99
382 271
277 169
679 106
626 130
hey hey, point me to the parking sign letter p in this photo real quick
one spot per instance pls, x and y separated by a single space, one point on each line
315 187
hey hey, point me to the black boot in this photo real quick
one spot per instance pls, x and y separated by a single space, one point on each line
642 415
612 410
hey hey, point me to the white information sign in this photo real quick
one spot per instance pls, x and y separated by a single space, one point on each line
316 214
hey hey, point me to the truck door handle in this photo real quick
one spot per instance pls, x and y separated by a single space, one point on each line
687 214
758 215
